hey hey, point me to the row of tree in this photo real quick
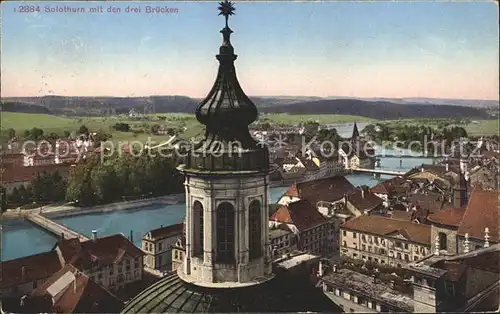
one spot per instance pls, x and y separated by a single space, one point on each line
95 181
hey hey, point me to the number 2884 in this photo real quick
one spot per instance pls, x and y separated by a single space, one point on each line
29 8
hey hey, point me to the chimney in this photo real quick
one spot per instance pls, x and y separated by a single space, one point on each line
362 193
23 272
447 167
334 268
94 234
422 169
320 269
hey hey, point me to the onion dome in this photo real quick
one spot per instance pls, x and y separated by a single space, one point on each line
226 113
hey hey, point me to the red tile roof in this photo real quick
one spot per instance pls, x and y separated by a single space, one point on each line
364 200
326 189
389 186
481 212
168 231
29 268
82 295
448 217
301 213
26 174
418 233
103 251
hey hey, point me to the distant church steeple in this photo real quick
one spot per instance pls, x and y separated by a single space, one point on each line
355 132
461 190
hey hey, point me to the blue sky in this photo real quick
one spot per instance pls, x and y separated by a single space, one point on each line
363 49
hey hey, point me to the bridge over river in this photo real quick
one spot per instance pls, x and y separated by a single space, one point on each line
378 171
53 227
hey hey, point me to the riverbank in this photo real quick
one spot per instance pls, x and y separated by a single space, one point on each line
60 211
55 211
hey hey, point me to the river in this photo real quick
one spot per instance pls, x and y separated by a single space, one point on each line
20 238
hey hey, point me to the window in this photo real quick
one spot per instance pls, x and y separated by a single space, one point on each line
344 233
198 227
442 241
450 288
354 235
225 232
255 234
406 246
363 247
344 244
407 258
159 246
398 244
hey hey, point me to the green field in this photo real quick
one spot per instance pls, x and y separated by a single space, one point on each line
284 118
50 123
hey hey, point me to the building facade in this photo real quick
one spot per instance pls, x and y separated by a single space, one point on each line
384 240
157 245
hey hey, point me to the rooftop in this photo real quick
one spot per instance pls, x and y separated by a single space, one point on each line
364 200
326 189
418 233
103 251
165 232
365 285
25 174
481 213
72 292
448 217
296 259
26 269
302 214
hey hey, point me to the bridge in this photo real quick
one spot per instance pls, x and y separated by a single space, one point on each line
53 227
410 156
378 171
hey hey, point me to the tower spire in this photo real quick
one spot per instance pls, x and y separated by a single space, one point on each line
227 111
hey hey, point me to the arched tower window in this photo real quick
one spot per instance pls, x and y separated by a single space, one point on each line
198 227
254 230
225 232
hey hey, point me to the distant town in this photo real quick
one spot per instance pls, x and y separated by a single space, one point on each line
233 203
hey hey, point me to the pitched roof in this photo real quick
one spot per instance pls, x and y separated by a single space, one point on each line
389 186
76 293
290 161
448 217
326 189
481 212
418 233
363 199
103 251
430 202
26 174
168 231
308 164
301 213
29 268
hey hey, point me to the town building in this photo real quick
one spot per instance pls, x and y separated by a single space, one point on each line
313 232
11 159
70 291
362 201
157 245
477 224
20 276
283 241
328 162
446 173
391 190
15 177
111 261
468 282
329 190
178 252
227 265
384 240
484 178
355 292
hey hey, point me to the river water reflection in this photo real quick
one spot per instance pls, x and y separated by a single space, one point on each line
22 239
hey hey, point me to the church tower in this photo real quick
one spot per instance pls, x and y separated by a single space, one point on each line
461 188
227 184
355 132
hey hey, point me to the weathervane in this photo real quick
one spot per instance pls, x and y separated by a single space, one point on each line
226 8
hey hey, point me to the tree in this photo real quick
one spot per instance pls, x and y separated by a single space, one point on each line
25 196
11 133
3 199
83 130
155 128
122 127
15 197
66 134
